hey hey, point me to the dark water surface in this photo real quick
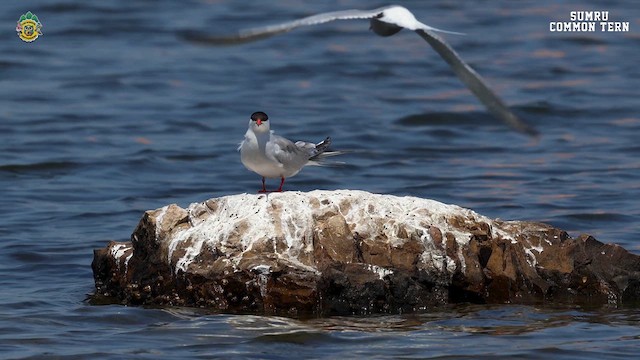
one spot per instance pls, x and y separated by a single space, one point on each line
110 114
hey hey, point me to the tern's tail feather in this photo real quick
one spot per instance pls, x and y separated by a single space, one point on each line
322 146
321 153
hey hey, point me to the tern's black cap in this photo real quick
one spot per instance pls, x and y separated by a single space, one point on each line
259 115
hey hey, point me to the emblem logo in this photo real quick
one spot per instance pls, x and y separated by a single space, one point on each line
29 27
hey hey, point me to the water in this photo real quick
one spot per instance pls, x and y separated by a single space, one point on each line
110 114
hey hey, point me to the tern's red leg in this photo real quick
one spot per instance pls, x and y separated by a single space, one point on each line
281 183
264 189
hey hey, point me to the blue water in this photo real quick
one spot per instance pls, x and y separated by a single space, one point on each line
109 114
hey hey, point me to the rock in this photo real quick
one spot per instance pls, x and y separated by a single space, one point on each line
353 252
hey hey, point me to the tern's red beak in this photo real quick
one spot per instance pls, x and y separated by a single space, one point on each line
259 122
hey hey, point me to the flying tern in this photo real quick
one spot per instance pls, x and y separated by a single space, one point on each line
386 21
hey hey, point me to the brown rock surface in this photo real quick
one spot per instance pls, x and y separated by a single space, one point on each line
353 252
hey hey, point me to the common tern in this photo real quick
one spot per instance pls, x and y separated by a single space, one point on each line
386 21
273 156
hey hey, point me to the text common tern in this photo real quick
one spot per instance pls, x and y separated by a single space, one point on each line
386 21
273 156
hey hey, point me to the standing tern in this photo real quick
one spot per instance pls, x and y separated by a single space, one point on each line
273 156
386 21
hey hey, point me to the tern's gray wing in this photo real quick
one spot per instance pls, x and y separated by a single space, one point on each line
475 83
288 154
307 147
253 34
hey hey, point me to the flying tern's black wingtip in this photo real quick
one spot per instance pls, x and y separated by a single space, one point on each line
194 36
198 37
527 130
532 132
502 112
